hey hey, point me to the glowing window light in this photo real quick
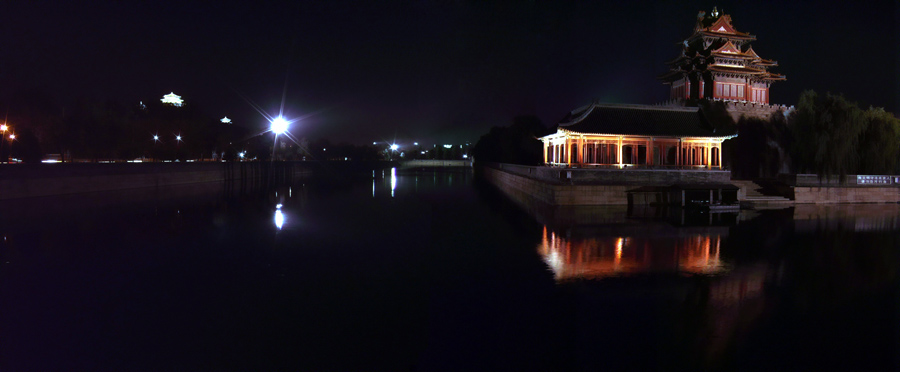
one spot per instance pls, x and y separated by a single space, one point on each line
448 146
225 120
279 125
172 99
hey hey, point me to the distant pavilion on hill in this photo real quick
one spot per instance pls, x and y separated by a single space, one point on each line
616 135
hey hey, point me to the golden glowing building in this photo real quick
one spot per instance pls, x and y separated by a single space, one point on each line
615 135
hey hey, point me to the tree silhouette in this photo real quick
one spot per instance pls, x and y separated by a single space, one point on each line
516 144
826 130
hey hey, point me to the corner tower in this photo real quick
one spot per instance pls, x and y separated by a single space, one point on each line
717 62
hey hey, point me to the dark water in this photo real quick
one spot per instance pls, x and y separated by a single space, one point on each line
434 271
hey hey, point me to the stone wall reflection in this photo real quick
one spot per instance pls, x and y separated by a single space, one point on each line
605 256
853 217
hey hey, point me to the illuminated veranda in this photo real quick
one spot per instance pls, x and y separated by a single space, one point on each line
601 135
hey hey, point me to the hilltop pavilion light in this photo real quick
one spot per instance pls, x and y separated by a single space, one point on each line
225 120
172 99
279 125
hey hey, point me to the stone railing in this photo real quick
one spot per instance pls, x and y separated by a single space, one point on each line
862 180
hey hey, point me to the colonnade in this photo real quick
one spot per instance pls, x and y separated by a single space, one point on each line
623 150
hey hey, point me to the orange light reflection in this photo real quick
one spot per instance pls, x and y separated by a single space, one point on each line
599 257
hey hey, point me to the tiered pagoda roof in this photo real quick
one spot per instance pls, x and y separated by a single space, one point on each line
717 47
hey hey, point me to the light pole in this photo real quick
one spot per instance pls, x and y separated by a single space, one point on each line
12 137
178 141
154 150
3 129
278 126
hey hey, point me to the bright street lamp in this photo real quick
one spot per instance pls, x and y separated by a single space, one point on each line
279 125
394 147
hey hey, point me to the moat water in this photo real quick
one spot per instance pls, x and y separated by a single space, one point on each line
432 270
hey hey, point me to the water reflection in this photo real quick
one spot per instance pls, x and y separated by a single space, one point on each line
393 181
605 256
855 217
279 217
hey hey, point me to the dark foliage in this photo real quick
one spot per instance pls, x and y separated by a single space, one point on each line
834 137
516 144
880 143
26 147
108 130
760 149
717 115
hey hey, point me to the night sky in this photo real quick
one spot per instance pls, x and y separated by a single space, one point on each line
428 71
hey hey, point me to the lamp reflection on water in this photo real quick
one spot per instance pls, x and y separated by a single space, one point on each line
393 181
279 217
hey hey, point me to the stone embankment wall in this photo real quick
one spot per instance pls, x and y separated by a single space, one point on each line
427 163
528 191
810 189
615 176
591 186
24 181
845 194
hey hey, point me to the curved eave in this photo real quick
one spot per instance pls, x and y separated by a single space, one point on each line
673 137
676 60
581 117
726 35
671 75
734 70
732 55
